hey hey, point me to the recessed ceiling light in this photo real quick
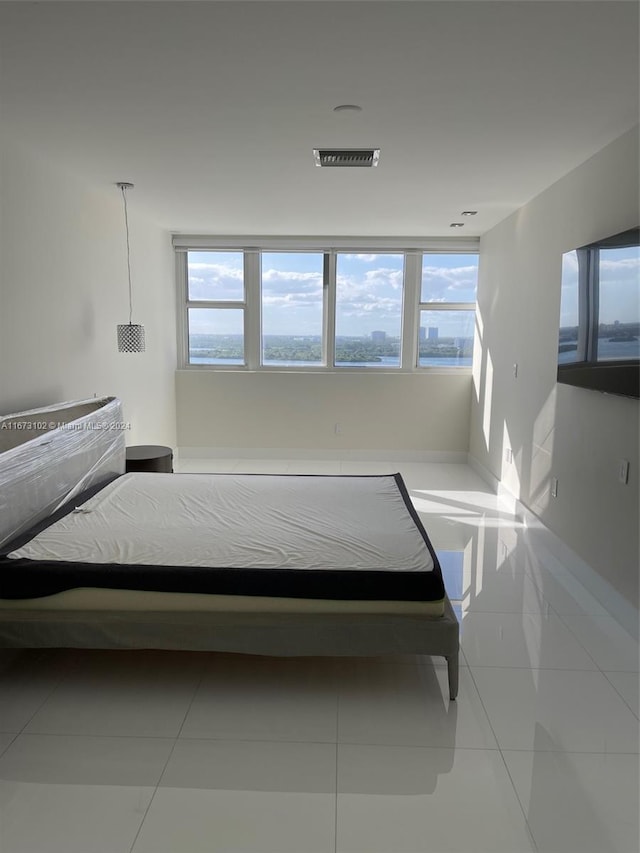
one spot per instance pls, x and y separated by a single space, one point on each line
457 225
347 108
468 213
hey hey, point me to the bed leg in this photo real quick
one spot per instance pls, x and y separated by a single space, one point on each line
452 667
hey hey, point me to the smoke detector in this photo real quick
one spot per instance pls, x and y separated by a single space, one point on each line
346 157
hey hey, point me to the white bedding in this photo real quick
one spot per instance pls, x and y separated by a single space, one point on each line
259 522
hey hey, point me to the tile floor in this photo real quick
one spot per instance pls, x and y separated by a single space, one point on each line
172 752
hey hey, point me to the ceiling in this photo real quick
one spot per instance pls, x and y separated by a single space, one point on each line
212 109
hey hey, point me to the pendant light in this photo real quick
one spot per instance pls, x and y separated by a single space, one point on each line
130 335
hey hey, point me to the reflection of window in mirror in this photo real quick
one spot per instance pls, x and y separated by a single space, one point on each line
569 316
619 305
599 328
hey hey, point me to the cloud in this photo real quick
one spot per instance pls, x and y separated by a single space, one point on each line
449 284
622 269
292 300
367 298
369 301
300 285
218 269
215 281
290 276
374 305
385 278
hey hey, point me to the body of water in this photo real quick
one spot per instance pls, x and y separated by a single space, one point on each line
385 362
607 351
204 359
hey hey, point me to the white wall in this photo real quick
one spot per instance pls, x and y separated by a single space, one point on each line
556 430
63 283
401 412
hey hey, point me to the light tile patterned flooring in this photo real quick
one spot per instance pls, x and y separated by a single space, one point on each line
179 752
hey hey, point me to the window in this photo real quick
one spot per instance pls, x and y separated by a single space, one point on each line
292 303
447 310
369 291
215 308
299 304
599 329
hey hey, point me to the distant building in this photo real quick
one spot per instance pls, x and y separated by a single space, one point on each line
433 333
423 333
379 337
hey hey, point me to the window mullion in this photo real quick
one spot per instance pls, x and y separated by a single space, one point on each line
410 312
593 303
329 289
447 306
252 324
182 313
211 303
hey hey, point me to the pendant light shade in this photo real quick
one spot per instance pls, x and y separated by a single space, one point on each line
130 335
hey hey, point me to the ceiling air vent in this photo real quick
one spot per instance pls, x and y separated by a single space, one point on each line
346 157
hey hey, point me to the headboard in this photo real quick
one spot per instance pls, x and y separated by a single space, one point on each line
48 455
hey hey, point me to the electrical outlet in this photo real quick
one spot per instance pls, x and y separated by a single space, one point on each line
337 428
508 455
515 370
554 487
623 471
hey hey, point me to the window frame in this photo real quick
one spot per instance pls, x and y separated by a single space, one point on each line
405 314
613 376
413 250
186 303
441 306
289 367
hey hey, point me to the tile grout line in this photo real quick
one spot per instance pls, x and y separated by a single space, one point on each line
14 735
513 787
171 751
515 790
604 672
580 643
53 690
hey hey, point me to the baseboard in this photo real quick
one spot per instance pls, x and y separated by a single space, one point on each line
442 456
483 473
554 552
508 501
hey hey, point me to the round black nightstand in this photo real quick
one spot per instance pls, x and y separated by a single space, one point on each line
150 457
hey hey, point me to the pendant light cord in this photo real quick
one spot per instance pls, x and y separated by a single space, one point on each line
126 225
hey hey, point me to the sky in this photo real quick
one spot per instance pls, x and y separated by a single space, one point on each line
368 291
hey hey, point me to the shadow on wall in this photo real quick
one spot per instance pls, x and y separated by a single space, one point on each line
32 400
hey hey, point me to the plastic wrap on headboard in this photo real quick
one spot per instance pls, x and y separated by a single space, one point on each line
49 455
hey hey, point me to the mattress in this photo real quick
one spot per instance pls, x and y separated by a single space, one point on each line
259 536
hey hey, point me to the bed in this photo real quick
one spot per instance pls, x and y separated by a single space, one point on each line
256 564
